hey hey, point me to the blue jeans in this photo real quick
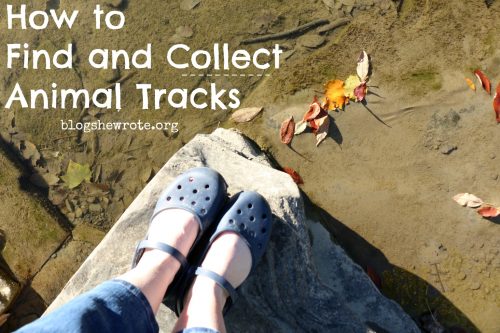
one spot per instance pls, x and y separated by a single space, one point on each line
113 306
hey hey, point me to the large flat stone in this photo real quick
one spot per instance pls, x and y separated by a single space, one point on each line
286 293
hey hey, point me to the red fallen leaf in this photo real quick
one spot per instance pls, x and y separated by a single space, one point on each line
315 123
314 110
488 211
287 130
374 277
294 174
496 103
360 92
485 82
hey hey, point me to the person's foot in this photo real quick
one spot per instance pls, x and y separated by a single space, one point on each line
184 211
156 269
228 256
180 235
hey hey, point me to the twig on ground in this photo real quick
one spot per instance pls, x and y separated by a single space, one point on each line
300 30
334 25
121 80
439 278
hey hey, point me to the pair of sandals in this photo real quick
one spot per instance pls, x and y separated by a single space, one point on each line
203 192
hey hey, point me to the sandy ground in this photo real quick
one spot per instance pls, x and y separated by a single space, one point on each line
383 190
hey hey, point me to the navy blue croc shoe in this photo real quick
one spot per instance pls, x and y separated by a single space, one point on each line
201 191
250 216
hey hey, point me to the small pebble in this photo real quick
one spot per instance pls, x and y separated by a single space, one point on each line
475 285
95 208
493 156
446 150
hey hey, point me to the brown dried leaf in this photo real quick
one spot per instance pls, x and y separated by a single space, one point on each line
246 114
322 131
467 199
300 127
287 131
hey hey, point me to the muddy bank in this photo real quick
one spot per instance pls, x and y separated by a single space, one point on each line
40 249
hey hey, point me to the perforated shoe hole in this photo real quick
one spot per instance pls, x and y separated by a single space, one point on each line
264 216
195 191
203 211
207 199
263 230
238 211
191 179
207 186
250 206
181 198
231 221
193 203
169 198
242 226
179 187
252 218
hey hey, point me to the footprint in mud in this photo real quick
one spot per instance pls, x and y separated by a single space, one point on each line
439 130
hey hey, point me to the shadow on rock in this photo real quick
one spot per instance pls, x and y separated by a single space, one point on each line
334 132
415 295
26 185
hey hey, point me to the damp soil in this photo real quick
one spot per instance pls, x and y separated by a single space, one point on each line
383 180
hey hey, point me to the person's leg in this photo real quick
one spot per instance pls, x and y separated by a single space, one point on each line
128 303
156 269
228 256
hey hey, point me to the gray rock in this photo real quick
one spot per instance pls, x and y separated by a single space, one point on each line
287 292
95 208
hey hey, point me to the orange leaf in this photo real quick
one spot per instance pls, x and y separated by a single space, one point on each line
294 174
287 130
470 83
335 95
496 103
372 274
485 82
488 211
